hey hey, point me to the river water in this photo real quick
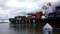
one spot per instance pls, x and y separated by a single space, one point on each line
7 28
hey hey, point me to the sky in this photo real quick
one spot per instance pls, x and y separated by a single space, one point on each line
12 8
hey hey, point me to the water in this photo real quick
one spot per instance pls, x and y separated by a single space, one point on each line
7 28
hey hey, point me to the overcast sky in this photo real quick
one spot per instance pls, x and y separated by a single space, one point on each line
11 8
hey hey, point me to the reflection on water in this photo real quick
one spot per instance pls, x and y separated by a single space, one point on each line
6 28
25 28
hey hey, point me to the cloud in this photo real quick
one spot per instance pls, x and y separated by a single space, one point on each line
11 8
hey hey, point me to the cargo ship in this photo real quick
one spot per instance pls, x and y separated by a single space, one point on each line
31 18
36 18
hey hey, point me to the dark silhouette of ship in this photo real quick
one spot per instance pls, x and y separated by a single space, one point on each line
35 18
31 18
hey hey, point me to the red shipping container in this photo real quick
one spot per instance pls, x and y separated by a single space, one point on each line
38 15
57 13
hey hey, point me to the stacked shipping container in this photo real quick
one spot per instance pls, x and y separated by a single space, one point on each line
31 18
